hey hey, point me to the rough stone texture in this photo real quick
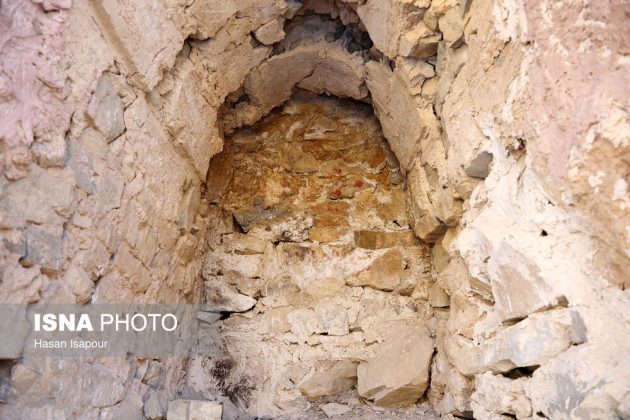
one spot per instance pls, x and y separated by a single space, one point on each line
533 341
325 254
194 410
496 395
510 123
399 372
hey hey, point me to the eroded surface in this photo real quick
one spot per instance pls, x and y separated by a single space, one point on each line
325 280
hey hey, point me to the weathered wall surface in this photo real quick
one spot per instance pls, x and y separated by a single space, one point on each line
536 90
509 120
326 278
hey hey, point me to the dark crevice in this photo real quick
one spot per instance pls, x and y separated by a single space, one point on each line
520 372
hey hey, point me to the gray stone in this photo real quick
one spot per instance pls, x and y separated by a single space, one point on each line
44 247
208 317
479 167
106 109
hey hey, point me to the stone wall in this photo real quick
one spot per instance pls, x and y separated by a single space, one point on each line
509 120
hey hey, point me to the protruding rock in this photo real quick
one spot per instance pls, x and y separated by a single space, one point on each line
330 378
241 244
332 317
502 395
106 109
221 298
401 380
463 354
384 273
533 341
420 42
479 167
438 298
452 27
270 32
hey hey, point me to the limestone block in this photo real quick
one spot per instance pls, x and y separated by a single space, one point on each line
456 279
388 21
496 394
479 167
587 381
271 83
330 378
440 256
521 289
208 317
188 117
533 341
401 379
463 354
406 124
82 152
275 320
438 9
130 267
332 317
414 73
226 50
270 32
452 27
194 410
108 189
211 16
106 109
384 273
466 311
44 247
449 63
425 224
438 298
50 152
152 37
320 67
379 240
14 330
221 298
280 291
242 244
248 266
185 248
456 394
156 404
304 323
45 197
142 239
188 208
339 73
79 283
420 42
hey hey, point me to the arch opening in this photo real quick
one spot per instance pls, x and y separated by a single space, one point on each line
314 262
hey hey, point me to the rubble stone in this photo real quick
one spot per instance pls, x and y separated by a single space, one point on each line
400 381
